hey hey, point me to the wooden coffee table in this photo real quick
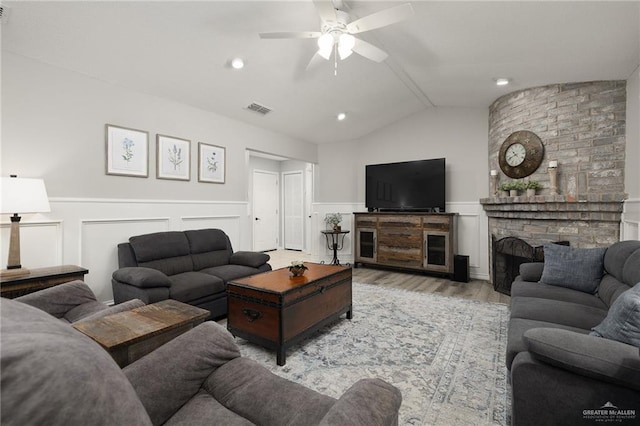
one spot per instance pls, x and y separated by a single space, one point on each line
130 335
276 310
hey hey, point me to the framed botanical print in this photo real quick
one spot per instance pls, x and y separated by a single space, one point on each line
127 151
174 158
211 163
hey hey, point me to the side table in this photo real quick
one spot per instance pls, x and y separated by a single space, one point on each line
130 335
40 278
335 243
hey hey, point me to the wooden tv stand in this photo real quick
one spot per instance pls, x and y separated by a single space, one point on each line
417 241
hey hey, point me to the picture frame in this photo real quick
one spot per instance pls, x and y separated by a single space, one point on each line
211 163
173 158
127 151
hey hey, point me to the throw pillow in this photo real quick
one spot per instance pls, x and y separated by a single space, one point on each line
622 323
575 268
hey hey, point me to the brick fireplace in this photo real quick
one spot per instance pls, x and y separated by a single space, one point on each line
582 127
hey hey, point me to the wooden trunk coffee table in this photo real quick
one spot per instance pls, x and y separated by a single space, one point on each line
276 310
130 335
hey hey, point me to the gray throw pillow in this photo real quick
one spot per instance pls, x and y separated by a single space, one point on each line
575 268
622 322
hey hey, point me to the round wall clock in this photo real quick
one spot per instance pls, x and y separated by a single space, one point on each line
520 154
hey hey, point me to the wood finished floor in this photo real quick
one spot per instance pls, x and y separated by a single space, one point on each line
473 290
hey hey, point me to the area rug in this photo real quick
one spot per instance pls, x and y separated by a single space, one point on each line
446 355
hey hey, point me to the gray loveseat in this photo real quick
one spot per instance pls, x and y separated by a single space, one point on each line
189 266
561 375
54 375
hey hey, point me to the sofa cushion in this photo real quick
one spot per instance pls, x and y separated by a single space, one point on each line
141 277
610 289
209 247
517 328
288 403
189 286
545 291
70 301
622 323
557 312
167 252
575 268
47 364
202 409
230 272
616 257
631 269
615 362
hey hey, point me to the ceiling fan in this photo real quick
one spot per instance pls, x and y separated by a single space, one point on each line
336 32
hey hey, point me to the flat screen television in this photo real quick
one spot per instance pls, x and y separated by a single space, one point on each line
406 186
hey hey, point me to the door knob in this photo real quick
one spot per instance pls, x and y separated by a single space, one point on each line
257 218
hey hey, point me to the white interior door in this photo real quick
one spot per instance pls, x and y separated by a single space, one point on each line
293 210
265 210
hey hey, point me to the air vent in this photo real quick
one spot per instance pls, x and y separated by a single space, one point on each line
260 109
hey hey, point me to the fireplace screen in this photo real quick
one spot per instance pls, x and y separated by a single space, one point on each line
508 254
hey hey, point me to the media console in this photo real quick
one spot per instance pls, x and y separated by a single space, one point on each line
417 241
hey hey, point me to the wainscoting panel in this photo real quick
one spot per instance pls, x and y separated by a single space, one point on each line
630 225
40 243
99 251
472 237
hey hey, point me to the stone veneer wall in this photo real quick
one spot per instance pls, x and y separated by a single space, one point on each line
582 125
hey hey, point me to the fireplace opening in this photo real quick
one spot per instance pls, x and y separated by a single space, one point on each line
508 254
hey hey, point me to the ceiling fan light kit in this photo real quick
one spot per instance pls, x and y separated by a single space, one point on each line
336 32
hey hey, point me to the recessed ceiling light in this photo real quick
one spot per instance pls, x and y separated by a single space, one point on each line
237 63
502 81
341 116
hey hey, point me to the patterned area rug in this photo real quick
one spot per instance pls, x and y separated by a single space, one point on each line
446 355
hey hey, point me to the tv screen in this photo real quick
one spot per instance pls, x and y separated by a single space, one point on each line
410 185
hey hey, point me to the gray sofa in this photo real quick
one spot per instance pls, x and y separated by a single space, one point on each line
558 371
189 266
54 375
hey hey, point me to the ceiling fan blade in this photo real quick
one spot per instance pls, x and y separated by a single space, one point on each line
326 10
369 51
300 34
381 19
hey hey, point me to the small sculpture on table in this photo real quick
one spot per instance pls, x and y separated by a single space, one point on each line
297 268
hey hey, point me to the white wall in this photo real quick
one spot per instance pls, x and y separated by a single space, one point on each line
630 228
53 127
457 134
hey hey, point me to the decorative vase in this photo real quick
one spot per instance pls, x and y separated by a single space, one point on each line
513 193
337 228
531 192
504 193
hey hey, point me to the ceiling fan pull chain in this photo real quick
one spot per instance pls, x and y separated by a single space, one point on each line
335 59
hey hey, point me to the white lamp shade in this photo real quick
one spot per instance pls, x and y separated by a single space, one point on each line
345 45
325 45
23 195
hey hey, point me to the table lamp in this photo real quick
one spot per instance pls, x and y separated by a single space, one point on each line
20 195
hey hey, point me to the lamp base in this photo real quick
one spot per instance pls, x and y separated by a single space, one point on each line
14 273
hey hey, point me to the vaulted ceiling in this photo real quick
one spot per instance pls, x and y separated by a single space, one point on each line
448 54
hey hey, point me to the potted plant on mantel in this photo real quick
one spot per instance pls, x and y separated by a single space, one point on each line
333 221
531 187
512 187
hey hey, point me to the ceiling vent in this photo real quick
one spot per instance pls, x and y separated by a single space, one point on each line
260 109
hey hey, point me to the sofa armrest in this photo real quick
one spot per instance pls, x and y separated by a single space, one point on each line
141 277
249 258
115 309
367 402
590 356
171 375
61 299
531 271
